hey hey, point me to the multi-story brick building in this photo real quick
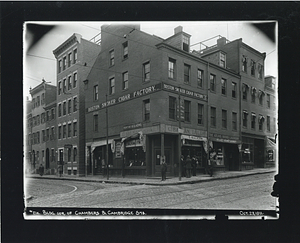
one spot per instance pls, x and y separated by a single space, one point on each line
160 101
75 57
41 95
257 105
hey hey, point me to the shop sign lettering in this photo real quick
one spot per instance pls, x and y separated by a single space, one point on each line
118 149
133 126
184 91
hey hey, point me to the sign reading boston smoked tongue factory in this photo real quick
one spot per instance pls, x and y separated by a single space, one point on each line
126 97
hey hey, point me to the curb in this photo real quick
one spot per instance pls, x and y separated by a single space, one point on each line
149 183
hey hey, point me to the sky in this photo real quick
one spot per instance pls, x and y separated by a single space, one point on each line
40 63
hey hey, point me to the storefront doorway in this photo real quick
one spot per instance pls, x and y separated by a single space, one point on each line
168 159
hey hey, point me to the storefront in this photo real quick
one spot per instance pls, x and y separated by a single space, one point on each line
271 152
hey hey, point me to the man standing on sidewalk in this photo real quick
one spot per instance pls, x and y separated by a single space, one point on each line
163 169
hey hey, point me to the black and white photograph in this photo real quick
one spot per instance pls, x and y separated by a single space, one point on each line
124 120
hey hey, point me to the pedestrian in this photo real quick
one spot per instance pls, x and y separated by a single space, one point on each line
60 169
188 166
163 170
183 167
194 165
41 170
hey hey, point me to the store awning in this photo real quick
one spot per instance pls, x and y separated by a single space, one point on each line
100 143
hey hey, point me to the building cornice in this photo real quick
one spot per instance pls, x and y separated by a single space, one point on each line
69 42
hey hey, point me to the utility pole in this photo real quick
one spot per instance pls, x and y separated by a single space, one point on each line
179 133
106 111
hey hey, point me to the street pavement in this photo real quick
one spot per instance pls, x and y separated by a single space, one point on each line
156 181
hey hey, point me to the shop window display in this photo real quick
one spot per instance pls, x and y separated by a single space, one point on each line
135 156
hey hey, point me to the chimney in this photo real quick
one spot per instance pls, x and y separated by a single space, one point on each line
221 41
178 30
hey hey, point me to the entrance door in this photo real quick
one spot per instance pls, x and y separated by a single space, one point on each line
168 157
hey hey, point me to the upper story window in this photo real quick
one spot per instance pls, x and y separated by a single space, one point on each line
223 86
187 70
69 59
52 113
96 92
75 77
224 119
261 122
185 43
64 85
260 71
111 85
172 107
59 110
187 111
111 58
75 56
64 63
75 129
253 120
69 82
212 78
234 121
125 81
74 104
146 110
146 71
213 116
125 50
268 101
59 66
245 91
199 78
268 124
64 108
233 91
59 88
33 103
200 114
38 101
245 119
260 97
253 94
252 68
171 68
222 60
69 106
244 64
43 98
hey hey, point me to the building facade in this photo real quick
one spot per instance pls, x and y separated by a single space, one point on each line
37 128
75 57
152 99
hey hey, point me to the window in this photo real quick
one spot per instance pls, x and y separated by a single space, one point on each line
199 78
253 91
74 80
59 66
96 123
64 131
268 124
125 50
252 68
233 92
245 119
75 56
222 60
69 129
146 71
224 119
147 110
64 85
234 121
260 122
52 134
260 71
187 111
200 114
52 113
111 86
223 86
52 155
64 108
64 63
213 82
47 116
171 68
253 120
69 82
244 64
69 106
59 110
74 154
47 134
185 44
69 59
172 107
75 129
268 101
38 101
112 58
74 104
187 69
43 98
38 119
69 154
59 88
245 89
59 132
213 116
43 136
260 97
125 81
96 92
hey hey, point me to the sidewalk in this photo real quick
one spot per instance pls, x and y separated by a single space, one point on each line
138 180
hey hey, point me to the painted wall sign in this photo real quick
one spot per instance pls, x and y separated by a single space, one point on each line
118 150
126 97
182 91
133 126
